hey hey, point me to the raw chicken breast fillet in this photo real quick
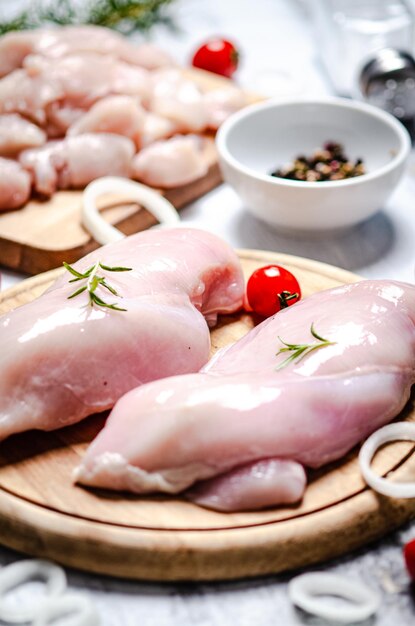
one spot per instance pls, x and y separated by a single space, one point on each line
61 359
247 428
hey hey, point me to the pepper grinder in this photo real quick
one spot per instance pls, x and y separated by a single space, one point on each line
387 80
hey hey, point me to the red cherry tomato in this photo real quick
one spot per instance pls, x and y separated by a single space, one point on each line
409 554
271 289
218 56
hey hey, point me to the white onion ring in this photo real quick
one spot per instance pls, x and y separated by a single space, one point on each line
304 592
150 199
76 608
16 574
402 431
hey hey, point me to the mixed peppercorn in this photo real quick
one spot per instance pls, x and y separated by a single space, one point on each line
328 163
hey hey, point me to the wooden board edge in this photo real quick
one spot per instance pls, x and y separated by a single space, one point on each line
167 556
30 283
330 271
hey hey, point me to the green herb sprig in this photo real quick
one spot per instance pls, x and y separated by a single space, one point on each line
122 15
300 350
93 282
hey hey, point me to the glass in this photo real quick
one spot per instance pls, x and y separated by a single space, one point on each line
349 31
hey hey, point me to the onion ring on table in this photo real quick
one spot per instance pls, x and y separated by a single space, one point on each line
304 592
77 609
149 198
402 431
14 575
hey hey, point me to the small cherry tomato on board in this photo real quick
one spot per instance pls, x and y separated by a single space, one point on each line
217 55
272 288
409 554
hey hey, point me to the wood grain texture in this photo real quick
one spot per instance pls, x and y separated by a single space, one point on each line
162 538
41 235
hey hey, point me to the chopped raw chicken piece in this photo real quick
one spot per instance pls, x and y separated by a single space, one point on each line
16 134
60 116
28 95
63 41
221 103
76 161
171 163
178 99
72 83
15 184
85 78
61 359
14 47
43 164
242 409
121 115
147 55
156 127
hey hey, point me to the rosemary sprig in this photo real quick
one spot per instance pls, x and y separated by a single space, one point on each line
123 15
93 282
300 350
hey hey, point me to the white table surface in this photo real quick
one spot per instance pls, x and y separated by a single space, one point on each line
273 35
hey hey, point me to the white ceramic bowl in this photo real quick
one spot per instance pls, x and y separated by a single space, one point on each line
265 136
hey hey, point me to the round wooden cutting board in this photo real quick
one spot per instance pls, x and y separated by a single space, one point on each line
163 538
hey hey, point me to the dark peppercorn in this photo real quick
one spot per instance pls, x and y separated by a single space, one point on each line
327 163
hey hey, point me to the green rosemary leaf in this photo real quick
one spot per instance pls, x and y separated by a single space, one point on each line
73 271
315 334
115 269
77 292
114 307
320 345
292 346
123 15
93 282
108 305
107 286
292 357
302 349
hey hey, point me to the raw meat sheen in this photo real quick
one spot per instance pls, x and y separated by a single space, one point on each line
121 115
179 100
75 161
75 82
15 185
17 134
61 359
221 103
170 163
59 42
241 409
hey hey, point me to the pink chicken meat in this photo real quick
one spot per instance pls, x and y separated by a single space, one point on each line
62 360
243 429
59 42
74 162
